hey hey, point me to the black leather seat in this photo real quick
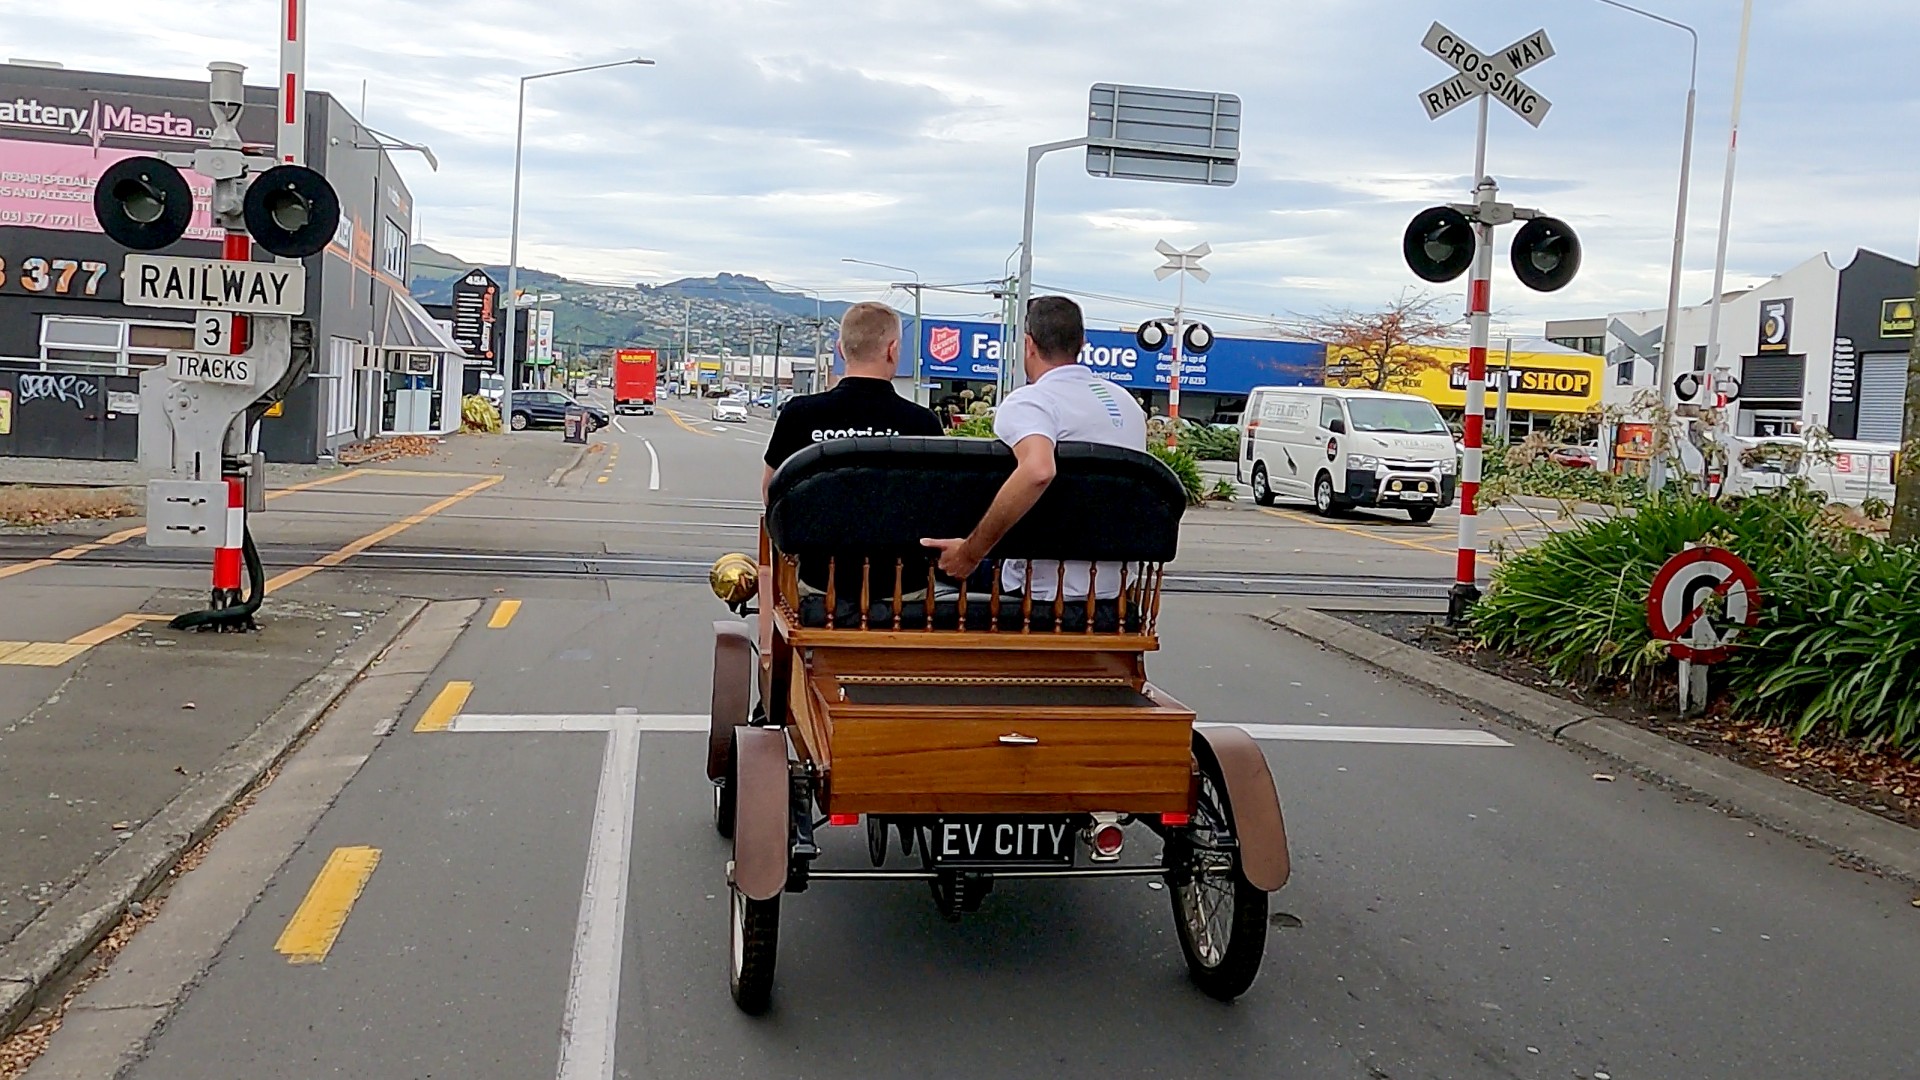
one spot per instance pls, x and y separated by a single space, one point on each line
873 499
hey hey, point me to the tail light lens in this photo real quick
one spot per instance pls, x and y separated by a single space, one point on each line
1176 821
843 819
1107 840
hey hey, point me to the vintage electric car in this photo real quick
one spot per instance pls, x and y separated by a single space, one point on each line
978 733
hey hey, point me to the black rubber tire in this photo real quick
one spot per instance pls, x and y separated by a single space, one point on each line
753 942
1229 974
519 422
1262 487
1324 502
1420 515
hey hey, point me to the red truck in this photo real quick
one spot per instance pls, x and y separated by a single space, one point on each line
636 373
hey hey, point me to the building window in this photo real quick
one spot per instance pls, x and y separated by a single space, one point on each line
338 383
1627 372
393 249
117 343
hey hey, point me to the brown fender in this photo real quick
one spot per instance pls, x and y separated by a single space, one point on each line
1256 806
732 691
761 818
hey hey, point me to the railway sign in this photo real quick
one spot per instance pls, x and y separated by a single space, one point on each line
254 288
210 368
1682 590
1496 75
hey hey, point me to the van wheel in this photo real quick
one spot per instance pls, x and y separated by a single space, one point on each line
1420 514
1323 501
1262 489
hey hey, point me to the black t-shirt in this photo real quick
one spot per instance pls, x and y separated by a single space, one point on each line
856 406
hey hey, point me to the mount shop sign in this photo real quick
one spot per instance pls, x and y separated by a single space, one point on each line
165 281
1527 380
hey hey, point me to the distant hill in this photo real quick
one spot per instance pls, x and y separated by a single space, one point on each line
718 310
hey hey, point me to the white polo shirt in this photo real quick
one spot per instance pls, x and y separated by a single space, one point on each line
1069 404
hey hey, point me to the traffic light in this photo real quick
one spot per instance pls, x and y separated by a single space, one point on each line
143 203
1198 339
1546 254
292 211
1152 336
1439 244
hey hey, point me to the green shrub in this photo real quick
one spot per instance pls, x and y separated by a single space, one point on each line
977 426
1184 466
1524 469
1837 651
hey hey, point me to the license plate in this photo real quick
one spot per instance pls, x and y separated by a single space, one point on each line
1003 841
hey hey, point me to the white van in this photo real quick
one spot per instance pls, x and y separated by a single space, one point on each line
1340 448
1847 471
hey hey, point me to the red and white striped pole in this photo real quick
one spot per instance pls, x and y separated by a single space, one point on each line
227 557
1466 587
293 82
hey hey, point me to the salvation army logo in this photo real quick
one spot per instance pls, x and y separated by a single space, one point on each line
943 344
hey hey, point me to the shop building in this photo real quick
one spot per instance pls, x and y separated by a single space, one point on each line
71 350
1545 381
1815 347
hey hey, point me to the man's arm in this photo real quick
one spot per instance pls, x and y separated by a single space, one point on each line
1032 473
766 482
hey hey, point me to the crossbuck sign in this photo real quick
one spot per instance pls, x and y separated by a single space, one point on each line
1496 75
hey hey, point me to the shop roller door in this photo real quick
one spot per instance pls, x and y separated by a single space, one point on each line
1883 391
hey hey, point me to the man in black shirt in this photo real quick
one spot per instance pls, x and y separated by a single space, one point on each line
863 403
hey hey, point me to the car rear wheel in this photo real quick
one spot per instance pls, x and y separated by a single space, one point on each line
1219 916
1262 487
519 421
754 944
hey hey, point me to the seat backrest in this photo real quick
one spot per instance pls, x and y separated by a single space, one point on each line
877 497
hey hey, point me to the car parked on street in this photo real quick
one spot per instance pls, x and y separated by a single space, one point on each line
548 408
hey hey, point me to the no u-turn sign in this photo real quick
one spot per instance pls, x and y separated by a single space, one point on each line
1683 591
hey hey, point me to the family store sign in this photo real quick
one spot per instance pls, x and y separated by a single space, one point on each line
954 349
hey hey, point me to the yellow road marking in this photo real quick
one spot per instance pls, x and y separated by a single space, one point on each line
316 925
423 472
1350 530
301 573
39 653
107 631
445 706
676 418
503 614
602 478
322 482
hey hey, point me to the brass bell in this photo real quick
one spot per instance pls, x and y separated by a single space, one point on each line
735 578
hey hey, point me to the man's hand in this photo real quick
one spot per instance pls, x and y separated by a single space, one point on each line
956 561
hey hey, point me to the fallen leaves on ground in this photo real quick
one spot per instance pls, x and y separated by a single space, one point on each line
26 504
389 448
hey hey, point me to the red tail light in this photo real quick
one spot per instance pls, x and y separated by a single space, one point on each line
1107 840
843 819
1176 821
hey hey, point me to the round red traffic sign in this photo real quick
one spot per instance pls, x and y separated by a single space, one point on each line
1677 603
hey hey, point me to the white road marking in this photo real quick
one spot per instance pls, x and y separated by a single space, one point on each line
620 427
591 1020
717 427
697 723
1364 733
653 478
749 442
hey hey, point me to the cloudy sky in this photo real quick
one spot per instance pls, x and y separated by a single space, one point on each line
776 137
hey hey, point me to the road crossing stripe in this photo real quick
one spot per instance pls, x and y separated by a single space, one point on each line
445 706
503 614
1366 733
316 925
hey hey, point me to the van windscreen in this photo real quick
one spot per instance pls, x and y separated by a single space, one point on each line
1410 415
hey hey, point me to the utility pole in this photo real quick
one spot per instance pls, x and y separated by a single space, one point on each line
773 389
1906 463
686 342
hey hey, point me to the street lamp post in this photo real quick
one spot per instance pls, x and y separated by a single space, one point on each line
1664 376
513 242
919 391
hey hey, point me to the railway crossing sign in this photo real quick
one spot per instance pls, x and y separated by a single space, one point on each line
1496 75
1677 603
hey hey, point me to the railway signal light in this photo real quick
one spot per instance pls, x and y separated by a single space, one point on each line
1152 336
143 203
1439 244
1198 339
291 211
1546 254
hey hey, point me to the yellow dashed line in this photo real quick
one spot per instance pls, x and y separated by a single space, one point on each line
1350 530
503 614
446 705
310 934
678 419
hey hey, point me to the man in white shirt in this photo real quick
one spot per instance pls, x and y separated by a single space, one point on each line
1063 401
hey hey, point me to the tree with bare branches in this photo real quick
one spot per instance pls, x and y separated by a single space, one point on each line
1386 348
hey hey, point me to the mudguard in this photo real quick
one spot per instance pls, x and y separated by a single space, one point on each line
732 691
1256 806
761 815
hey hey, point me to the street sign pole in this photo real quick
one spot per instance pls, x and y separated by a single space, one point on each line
1013 370
1466 588
1173 377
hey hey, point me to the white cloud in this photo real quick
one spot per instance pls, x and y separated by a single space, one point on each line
777 136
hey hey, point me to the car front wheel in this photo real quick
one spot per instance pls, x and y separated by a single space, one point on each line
519 422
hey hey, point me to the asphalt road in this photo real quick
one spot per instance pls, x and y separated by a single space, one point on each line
1466 902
